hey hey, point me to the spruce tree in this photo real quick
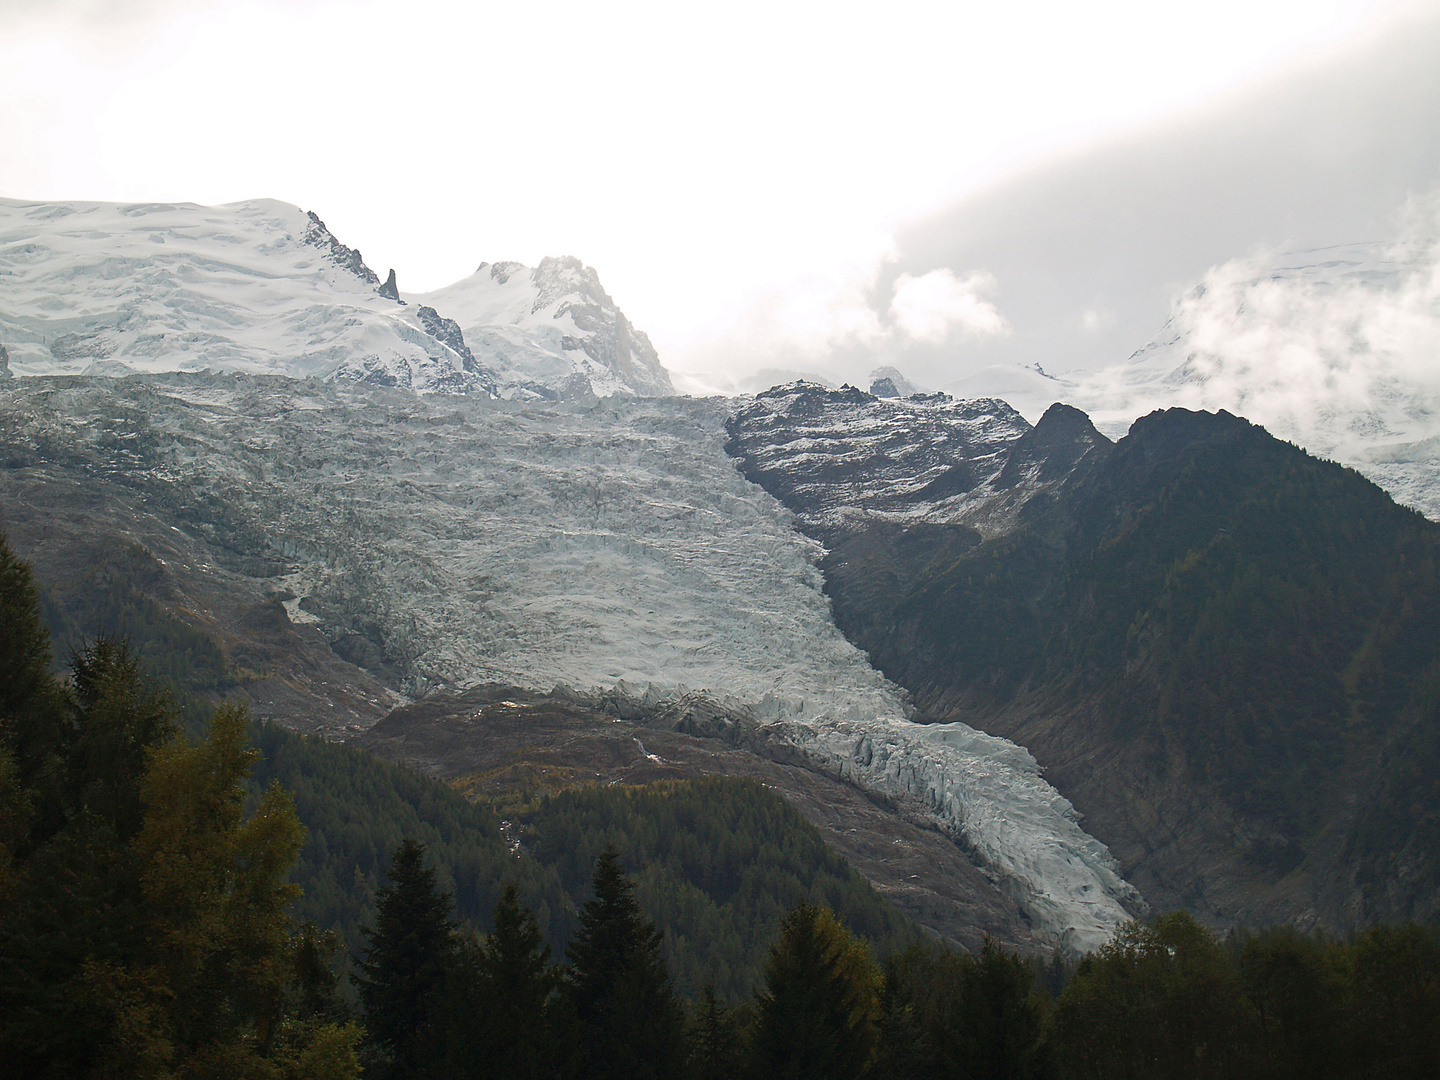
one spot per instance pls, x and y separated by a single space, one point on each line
32 726
498 1001
406 966
631 1026
820 1014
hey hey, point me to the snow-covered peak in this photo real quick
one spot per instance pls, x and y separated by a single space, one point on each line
258 286
551 331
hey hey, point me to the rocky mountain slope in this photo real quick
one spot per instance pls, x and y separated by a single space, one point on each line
1222 650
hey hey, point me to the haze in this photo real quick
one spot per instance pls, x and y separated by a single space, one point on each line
955 189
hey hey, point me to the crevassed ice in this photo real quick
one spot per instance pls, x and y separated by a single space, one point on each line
595 547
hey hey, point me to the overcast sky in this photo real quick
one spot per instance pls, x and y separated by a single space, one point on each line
808 186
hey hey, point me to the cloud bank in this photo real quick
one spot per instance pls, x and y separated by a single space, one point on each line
935 305
1336 349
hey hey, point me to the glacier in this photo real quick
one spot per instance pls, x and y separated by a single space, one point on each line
605 548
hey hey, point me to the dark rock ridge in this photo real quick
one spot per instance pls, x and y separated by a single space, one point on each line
347 258
1224 652
884 388
447 332
843 458
390 291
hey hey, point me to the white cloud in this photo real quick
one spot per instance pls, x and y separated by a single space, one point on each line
1336 349
933 306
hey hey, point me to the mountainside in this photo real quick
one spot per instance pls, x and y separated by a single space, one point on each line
447 542
264 288
1225 652
1222 651
552 331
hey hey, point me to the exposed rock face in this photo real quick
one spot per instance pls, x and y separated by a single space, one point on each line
884 388
889 382
390 291
5 372
346 257
843 458
569 287
1174 624
447 332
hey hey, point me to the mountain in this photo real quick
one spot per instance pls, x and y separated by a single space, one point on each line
552 331
1224 651
257 286
1214 650
265 288
352 547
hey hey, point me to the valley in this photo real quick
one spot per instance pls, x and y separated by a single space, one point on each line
1033 681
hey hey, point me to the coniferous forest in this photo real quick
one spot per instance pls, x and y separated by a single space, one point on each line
236 901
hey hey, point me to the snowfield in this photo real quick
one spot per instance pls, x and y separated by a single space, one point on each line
259 287
263 287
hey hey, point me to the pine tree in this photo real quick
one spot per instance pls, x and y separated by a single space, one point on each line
631 1024
714 1039
144 925
406 966
150 936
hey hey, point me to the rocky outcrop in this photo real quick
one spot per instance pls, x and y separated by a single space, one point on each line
447 332
884 388
347 258
390 291
840 457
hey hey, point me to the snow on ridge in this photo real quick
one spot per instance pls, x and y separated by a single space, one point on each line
258 286
551 331
608 547
839 455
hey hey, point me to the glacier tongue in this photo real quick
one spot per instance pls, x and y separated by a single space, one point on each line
609 548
